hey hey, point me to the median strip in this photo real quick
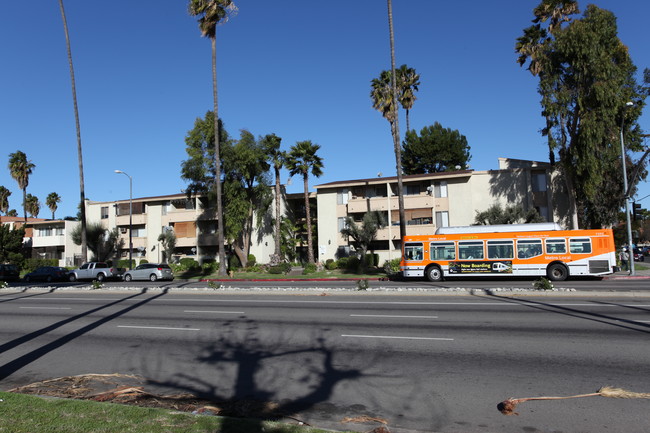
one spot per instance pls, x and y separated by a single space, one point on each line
159 327
214 312
393 316
46 308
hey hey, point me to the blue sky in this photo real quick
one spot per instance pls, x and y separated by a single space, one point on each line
299 69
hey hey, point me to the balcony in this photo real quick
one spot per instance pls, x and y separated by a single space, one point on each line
48 241
361 204
138 219
411 230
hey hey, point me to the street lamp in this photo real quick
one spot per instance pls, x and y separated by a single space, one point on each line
627 198
130 217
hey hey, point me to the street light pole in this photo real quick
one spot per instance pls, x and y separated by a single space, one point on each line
627 198
130 218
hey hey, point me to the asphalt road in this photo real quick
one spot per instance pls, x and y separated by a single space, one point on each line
424 362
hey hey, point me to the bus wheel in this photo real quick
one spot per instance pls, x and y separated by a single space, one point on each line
434 273
557 272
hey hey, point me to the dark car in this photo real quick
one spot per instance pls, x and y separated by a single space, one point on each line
47 273
638 255
9 272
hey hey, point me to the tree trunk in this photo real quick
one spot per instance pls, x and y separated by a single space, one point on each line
310 246
571 194
395 127
277 212
82 193
217 161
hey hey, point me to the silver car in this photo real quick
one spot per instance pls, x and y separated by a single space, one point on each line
150 271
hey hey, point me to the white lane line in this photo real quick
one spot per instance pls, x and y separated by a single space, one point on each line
642 321
397 338
393 316
215 312
46 308
159 327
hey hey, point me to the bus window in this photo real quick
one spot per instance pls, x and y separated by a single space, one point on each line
442 251
555 246
529 248
470 250
500 249
413 252
580 245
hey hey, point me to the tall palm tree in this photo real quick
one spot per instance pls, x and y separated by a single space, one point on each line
385 100
4 199
32 205
302 159
20 169
82 192
213 12
271 143
52 201
407 84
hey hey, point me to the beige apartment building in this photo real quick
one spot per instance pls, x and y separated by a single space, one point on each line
431 201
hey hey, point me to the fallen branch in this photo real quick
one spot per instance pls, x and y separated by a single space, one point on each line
507 407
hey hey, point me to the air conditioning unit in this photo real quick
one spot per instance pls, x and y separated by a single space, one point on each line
122 230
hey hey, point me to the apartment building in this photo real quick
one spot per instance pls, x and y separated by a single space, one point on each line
431 201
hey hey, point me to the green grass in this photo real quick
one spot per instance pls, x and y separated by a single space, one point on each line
28 414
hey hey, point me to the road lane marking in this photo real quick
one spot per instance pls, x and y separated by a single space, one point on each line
393 316
46 308
397 338
215 312
165 328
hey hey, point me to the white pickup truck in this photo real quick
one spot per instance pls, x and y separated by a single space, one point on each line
99 271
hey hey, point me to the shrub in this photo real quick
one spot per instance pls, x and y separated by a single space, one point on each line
391 267
342 263
143 261
251 260
309 268
542 284
276 270
30 265
330 265
124 263
209 267
254 268
188 264
233 262
353 264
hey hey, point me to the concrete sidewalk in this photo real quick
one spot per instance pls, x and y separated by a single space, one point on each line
639 274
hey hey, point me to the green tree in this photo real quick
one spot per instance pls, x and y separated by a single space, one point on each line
52 201
11 244
32 205
302 160
20 169
4 199
364 235
82 193
407 84
168 240
247 188
211 13
12 213
586 77
277 158
496 214
435 150
103 243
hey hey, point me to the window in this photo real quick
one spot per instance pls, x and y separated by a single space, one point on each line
470 250
413 251
580 246
104 212
166 207
342 224
555 246
539 182
440 189
529 248
45 231
412 189
59 231
442 219
342 196
139 232
501 249
442 251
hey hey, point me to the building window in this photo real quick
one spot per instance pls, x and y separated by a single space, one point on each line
342 196
539 182
412 189
442 219
342 223
104 212
45 231
59 231
139 232
440 189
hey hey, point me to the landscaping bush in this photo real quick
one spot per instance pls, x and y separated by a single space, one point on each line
342 263
276 270
143 261
188 264
330 265
251 260
233 262
30 265
391 267
124 264
353 264
310 268
372 260
209 267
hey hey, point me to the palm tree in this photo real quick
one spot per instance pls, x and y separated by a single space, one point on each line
32 205
277 158
386 102
20 169
4 199
213 12
302 159
52 201
168 240
407 84
82 192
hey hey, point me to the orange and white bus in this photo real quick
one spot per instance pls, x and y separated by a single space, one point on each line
542 249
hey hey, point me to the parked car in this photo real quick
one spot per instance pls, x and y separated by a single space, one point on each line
638 255
150 271
48 273
9 272
99 271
